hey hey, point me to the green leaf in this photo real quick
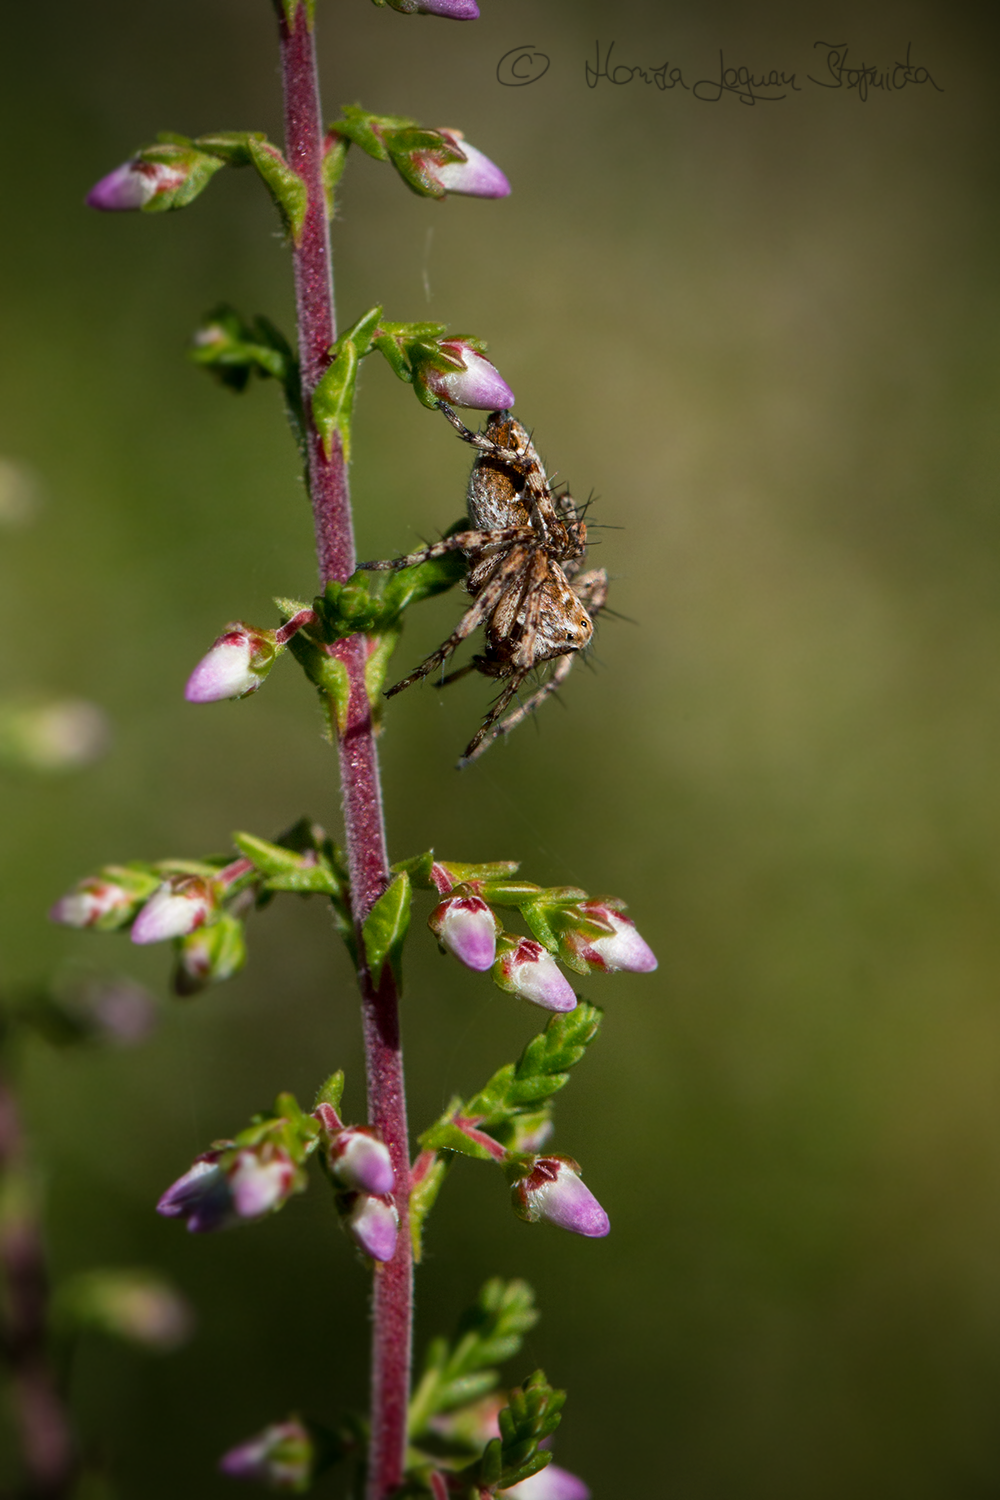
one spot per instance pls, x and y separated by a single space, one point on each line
231 146
366 130
489 1333
332 1091
288 870
517 1089
333 398
197 168
418 867
532 1416
385 928
287 188
408 586
423 1195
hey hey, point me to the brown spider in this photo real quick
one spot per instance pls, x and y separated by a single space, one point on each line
528 543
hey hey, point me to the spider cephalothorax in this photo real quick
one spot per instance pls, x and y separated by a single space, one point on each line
525 549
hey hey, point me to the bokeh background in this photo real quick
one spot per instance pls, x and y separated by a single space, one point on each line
766 339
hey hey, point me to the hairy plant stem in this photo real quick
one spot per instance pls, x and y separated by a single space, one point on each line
359 773
46 1442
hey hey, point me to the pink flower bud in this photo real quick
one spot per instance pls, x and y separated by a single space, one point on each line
551 1483
554 1192
479 385
281 1457
235 667
454 10
360 1161
620 949
179 906
475 177
261 1181
530 971
374 1225
93 900
134 184
467 929
202 1197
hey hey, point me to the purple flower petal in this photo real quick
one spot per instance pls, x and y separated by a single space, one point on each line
555 1193
177 908
454 10
374 1224
480 385
530 971
359 1160
467 929
476 177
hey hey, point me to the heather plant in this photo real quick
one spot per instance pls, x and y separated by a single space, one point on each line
457 1428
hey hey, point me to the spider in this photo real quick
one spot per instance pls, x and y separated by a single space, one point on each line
525 553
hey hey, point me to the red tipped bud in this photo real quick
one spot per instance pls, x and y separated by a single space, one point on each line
467 929
134 184
179 906
618 947
106 900
554 1192
360 1161
475 177
476 384
167 175
374 1226
530 971
235 667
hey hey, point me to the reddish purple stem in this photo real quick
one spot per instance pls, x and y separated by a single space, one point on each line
359 773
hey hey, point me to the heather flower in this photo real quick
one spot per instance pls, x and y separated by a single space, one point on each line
94 901
202 1197
134 184
261 1181
360 1161
222 1188
179 906
282 1457
477 384
620 949
551 1483
467 929
473 175
553 1191
452 10
374 1225
210 954
235 666
530 971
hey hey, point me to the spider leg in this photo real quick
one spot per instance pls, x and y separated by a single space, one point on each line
485 602
479 741
534 608
592 590
468 541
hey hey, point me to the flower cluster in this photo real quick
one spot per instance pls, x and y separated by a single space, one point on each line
255 1174
582 932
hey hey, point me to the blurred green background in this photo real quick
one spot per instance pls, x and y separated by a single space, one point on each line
766 338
